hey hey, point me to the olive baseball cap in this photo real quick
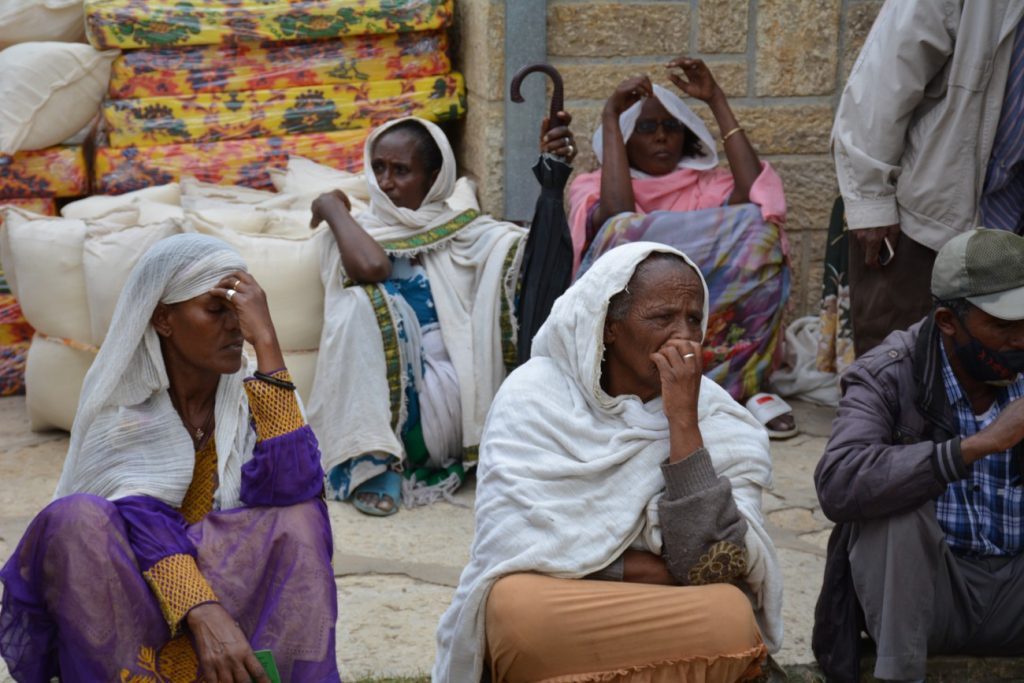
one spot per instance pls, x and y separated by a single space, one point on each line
986 267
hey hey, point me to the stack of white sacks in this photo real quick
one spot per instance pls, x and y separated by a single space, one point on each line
68 272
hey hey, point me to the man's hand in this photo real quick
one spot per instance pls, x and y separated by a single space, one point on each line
223 650
871 240
1003 434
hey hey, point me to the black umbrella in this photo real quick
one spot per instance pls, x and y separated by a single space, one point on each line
547 262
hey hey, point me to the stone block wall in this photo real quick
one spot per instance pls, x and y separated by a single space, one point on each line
781 62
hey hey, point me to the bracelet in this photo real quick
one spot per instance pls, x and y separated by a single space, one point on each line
270 379
732 132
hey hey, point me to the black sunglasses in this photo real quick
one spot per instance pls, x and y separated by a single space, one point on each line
648 126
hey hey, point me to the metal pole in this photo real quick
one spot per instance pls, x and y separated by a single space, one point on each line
525 43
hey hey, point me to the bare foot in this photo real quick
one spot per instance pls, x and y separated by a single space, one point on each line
382 503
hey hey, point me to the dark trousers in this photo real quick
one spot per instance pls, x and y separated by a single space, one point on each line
921 599
891 298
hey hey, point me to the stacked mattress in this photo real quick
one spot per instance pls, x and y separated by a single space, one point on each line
225 91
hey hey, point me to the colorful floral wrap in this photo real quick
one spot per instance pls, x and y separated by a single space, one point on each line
742 259
15 337
129 24
233 162
161 72
213 117
50 172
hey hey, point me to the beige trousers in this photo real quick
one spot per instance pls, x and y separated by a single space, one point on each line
546 630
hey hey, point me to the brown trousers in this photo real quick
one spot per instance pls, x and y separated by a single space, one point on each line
546 630
891 298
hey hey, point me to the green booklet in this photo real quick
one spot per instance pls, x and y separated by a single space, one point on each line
266 658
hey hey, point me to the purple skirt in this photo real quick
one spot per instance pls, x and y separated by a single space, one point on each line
75 604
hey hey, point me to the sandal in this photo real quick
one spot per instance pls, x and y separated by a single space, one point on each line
767 407
385 485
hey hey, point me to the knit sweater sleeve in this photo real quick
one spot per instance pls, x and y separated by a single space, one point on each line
702 530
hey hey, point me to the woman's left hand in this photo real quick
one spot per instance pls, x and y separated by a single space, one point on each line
556 138
699 82
249 302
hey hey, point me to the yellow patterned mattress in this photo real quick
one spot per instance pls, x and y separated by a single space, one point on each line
162 72
50 172
44 206
130 24
214 117
233 162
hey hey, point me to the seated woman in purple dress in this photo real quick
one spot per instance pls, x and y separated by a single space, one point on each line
188 530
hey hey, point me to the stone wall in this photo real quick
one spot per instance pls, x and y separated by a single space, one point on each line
781 62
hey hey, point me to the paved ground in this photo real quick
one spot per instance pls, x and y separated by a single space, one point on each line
396 575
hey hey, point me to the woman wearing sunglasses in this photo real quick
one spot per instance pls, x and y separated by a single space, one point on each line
659 180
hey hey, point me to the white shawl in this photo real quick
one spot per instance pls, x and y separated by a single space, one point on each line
677 108
569 476
472 263
127 439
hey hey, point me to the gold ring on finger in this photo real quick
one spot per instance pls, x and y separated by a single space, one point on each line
235 286
689 355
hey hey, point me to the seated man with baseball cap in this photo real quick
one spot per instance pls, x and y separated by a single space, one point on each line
923 475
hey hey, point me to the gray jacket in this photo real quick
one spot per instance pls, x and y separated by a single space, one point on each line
894 443
914 128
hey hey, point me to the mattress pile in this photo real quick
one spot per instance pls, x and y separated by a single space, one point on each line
224 91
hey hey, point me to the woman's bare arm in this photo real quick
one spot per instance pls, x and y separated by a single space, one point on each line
743 161
364 260
616 182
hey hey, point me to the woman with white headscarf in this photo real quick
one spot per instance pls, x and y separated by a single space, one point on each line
419 324
660 181
620 490
188 532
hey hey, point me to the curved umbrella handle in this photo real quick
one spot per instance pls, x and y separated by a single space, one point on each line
557 96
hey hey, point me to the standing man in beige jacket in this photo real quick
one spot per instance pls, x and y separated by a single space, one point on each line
928 143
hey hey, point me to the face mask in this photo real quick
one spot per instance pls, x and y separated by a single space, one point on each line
998 368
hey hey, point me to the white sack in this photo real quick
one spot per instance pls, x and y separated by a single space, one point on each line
48 92
33 20
98 205
53 381
109 254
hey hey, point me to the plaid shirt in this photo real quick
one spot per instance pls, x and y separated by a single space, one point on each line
982 514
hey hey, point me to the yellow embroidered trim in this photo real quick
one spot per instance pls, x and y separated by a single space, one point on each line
392 355
509 343
175 662
198 501
432 236
470 454
723 562
275 409
178 586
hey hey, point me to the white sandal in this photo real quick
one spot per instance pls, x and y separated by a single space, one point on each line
767 407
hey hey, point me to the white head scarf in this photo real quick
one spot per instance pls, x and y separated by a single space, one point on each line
677 108
127 438
383 212
569 476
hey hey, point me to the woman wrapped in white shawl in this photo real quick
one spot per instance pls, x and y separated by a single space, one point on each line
609 456
419 324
